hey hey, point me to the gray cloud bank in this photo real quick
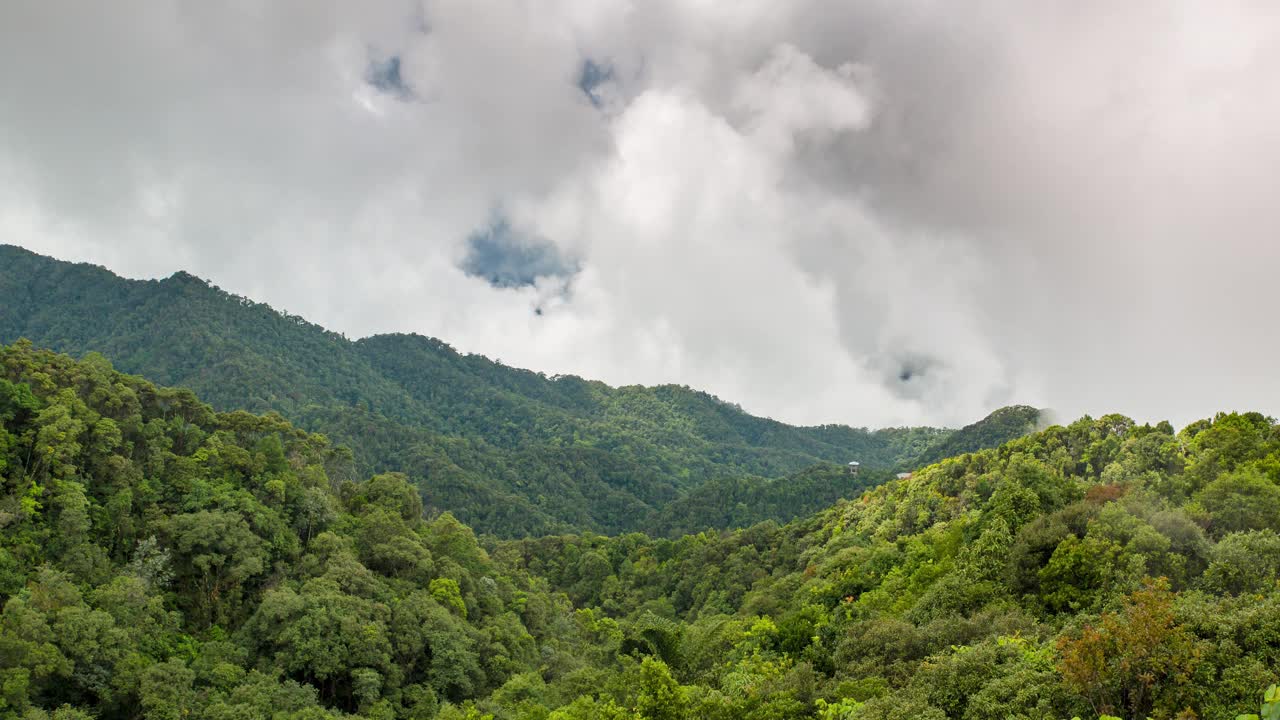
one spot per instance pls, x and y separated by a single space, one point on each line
862 212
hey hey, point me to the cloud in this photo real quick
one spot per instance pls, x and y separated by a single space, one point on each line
865 212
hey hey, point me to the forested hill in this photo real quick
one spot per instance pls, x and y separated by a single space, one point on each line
992 431
1102 568
511 451
159 560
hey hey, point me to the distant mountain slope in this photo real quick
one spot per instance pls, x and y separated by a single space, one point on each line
510 451
991 431
743 500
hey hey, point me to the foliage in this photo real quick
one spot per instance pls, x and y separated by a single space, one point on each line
995 429
162 560
1270 706
1072 571
509 451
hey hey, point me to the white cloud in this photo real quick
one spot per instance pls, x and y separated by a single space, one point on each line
870 212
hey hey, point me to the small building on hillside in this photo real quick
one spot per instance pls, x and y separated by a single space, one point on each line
904 476
854 466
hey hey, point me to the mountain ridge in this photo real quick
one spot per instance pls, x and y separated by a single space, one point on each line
475 433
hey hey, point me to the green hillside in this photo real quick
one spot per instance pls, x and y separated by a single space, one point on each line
160 560
1103 568
995 429
511 451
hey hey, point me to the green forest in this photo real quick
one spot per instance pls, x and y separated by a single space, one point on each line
639 360
161 559
508 451
389 528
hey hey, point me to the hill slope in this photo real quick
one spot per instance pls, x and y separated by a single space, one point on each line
511 451
1100 568
161 560
994 430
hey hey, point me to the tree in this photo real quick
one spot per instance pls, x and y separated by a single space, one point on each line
1134 660
658 695
324 637
215 553
1245 562
587 707
167 692
1242 500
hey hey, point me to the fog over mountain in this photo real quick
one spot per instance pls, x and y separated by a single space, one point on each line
873 213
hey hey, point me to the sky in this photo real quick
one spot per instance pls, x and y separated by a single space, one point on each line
875 213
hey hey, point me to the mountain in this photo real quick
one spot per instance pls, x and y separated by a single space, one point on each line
162 560
510 451
1103 568
992 431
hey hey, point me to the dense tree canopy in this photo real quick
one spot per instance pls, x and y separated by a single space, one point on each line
1098 568
160 559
